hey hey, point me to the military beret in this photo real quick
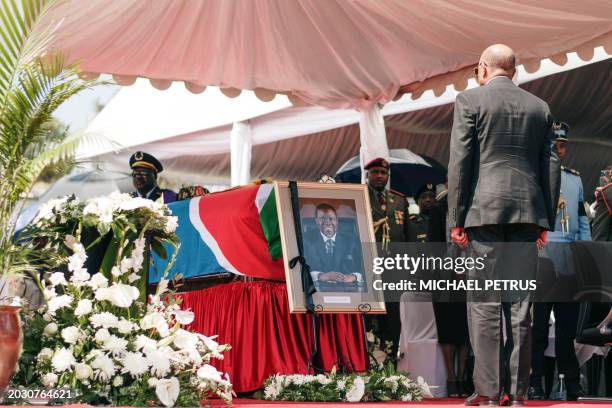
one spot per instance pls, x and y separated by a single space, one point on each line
423 189
561 130
377 162
142 159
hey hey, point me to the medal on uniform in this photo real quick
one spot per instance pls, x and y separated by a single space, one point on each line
399 217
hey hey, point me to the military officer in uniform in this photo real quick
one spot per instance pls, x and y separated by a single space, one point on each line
571 225
425 197
145 168
602 220
390 216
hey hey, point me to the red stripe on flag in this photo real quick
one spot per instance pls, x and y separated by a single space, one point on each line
232 219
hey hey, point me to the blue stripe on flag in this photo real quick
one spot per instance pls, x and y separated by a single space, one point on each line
195 257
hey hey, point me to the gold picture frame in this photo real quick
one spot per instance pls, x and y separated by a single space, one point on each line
353 227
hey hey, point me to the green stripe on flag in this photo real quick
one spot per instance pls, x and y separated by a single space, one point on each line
268 217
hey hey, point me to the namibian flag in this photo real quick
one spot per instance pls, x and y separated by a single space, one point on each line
232 231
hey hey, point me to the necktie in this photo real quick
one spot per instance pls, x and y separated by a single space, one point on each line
329 247
382 201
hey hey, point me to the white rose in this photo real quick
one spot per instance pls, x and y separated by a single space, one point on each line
102 335
45 354
152 382
83 308
62 360
57 278
49 379
50 329
83 371
118 381
71 334
167 390
47 317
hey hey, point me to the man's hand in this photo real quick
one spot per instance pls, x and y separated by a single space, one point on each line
331 277
542 238
350 278
459 237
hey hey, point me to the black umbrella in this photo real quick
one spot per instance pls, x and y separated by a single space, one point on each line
409 171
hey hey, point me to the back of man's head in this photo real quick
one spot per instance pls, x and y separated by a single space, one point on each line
499 57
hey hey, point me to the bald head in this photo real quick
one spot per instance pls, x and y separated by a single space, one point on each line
497 59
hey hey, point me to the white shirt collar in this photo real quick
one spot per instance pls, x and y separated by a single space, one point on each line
497 77
325 238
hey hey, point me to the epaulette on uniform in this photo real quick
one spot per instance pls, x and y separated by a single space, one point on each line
396 193
572 171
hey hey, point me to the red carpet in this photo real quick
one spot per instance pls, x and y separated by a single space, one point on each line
430 403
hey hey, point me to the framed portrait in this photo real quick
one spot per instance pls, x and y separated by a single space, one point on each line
335 223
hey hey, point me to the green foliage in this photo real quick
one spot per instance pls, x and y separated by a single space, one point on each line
32 87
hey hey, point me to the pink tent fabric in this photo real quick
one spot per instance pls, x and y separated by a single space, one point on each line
334 53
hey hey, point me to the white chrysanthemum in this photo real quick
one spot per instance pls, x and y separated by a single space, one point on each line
135 364
104 319
118 381
125 326
355 393
159 360
45 354
50 329
78 258
59 302
49 380
62 360
80 277
103 366
155 321
71 334
100 207
167 390
57 278
171 224
84 307
184 316
145 343
116 345
407 397
137 202
83 371
98 280
102 335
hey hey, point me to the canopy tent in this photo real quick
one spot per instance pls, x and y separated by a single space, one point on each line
338 54
201 155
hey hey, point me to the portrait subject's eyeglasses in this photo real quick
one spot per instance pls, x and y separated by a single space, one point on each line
327 218
141 173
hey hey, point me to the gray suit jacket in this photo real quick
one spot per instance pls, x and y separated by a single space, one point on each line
503 166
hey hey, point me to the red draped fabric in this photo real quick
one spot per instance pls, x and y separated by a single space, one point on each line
266 339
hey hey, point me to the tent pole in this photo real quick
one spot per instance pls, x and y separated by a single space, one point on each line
240 152
372 136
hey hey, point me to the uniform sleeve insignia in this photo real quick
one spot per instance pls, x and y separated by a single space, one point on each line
571 171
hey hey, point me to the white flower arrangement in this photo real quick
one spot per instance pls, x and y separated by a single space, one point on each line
383 384
95 333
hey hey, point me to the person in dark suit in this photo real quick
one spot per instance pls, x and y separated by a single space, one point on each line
333 257
503 186
145 169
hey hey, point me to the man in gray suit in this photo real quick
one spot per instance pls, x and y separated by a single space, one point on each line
503 183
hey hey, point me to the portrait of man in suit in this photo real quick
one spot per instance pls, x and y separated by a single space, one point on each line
334 256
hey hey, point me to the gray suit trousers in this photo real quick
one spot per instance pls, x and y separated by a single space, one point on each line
498 366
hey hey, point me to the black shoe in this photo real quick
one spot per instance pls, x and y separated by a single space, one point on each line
452 389
517 401
535 393
479 400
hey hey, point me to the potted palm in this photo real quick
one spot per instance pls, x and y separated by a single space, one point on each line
32 86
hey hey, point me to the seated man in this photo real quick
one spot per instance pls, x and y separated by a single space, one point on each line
335 259
145 168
